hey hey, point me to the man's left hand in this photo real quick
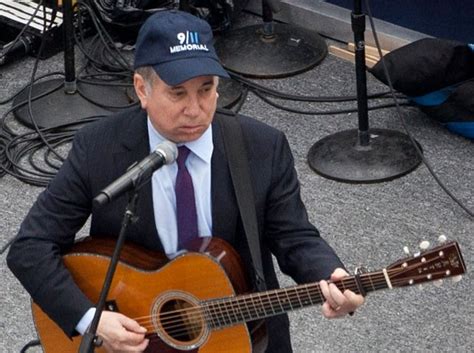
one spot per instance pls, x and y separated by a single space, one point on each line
338 303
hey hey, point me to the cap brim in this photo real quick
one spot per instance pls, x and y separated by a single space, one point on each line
178 71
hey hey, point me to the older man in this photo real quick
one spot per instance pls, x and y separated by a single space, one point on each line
176 79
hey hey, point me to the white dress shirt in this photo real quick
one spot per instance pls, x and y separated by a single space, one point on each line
163 182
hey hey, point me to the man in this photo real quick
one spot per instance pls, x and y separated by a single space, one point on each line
176 78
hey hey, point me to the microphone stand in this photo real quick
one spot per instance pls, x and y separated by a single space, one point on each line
271 50
363 155
90 339
63 101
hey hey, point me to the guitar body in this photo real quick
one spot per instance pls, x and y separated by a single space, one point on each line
146 286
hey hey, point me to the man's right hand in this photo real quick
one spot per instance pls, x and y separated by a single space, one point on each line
121 334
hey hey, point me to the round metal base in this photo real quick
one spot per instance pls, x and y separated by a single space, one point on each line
229 91
290 51
58 108
389 155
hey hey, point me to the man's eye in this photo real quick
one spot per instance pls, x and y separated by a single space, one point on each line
206 89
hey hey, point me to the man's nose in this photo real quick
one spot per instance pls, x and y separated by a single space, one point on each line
192 106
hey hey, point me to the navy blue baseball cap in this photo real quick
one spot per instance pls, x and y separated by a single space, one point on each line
178 46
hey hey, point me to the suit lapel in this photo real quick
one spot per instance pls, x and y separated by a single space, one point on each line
135 146
224 204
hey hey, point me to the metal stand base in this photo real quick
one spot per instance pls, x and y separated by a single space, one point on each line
289 51
58 108
389 155
229 91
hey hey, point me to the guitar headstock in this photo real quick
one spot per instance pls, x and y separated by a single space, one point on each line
438 263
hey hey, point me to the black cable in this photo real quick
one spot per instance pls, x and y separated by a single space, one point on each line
91 60
17 149
236 108
49 158
402 119
14 152
106 39
317 112
112 64
30 87
25 27
58 140
7 134
328 99
32 343
39 132
99 104
6 246
9 99
19 105
107 80
29 143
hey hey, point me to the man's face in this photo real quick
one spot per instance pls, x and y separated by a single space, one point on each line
179 113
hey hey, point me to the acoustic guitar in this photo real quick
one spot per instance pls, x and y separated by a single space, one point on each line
200 301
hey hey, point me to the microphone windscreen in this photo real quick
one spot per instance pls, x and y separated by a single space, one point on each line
168 150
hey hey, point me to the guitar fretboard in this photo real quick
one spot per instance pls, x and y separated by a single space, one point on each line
226 312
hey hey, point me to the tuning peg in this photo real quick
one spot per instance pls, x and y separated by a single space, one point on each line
406 250
425 244
438 282
456 279
442 239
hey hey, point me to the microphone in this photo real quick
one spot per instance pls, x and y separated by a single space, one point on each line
165 153
17 49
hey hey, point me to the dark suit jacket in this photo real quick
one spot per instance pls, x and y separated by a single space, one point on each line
102 152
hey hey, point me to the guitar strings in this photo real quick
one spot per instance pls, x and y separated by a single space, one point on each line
212 311
196 315
173 321
181 330
243 298
250 298
215 307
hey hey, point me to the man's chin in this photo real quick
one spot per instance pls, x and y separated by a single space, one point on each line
189 136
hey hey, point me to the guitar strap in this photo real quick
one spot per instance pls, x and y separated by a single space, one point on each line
240 173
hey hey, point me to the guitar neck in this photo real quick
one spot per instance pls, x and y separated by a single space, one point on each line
226 312
436 264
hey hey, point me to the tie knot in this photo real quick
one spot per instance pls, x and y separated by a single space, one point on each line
183 153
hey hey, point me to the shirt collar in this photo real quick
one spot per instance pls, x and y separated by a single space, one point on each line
202 147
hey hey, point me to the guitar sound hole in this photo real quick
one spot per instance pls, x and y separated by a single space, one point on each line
181 320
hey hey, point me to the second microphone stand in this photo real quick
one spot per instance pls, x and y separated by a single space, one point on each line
270 50
363 155
63 101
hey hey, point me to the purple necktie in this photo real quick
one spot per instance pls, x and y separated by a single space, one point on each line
185 204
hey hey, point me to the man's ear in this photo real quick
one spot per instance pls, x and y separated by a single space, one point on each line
141 89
